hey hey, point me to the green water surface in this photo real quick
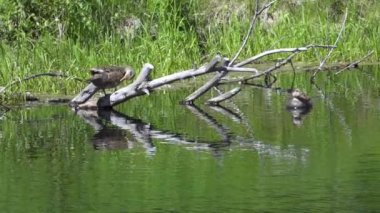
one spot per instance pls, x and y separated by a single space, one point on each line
155 155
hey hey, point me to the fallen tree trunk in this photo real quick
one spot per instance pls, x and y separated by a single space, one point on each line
142 85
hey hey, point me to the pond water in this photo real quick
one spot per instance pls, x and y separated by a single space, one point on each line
154 155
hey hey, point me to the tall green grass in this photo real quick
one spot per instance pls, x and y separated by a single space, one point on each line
174 35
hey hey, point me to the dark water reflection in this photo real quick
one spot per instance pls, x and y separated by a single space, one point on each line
154 155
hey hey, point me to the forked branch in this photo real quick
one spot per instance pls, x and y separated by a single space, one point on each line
144 86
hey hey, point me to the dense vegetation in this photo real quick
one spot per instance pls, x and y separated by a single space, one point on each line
72 36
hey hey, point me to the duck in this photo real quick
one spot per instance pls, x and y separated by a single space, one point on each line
298 100
110 76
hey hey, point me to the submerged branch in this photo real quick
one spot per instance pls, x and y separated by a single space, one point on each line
269 70
241 69
355 63
204 88
224 96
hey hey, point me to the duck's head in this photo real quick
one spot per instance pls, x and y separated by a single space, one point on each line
296 93
129 73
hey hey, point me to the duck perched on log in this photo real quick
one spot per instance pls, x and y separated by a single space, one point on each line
298 100
110 76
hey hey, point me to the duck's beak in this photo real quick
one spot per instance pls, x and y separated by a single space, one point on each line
128 75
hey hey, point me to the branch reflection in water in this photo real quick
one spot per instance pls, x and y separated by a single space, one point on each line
115 130
298 105
126 132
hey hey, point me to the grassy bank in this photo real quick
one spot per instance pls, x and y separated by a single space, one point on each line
172 35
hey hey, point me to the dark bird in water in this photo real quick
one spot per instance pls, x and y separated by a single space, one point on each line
110 76
298 100
298 105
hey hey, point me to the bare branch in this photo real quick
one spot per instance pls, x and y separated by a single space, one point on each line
180 76
143 76
331 50
84 95
251 28
282 50
140 86
355 63
130 91
52 74
217 59
48 74
203 89
241 69
269 70
224 96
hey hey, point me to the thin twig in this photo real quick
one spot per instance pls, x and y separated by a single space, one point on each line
204 88
281 50
294 74
224 96
251 28
269 70
241 69
212 82
355 63
49 74
331 50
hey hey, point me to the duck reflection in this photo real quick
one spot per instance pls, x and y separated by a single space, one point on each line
298 115
115 130
298 105
109 135
109 139
299 100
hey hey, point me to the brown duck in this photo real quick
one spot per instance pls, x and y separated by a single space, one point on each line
110 76
299 100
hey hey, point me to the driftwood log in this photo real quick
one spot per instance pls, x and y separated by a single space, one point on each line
218 65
